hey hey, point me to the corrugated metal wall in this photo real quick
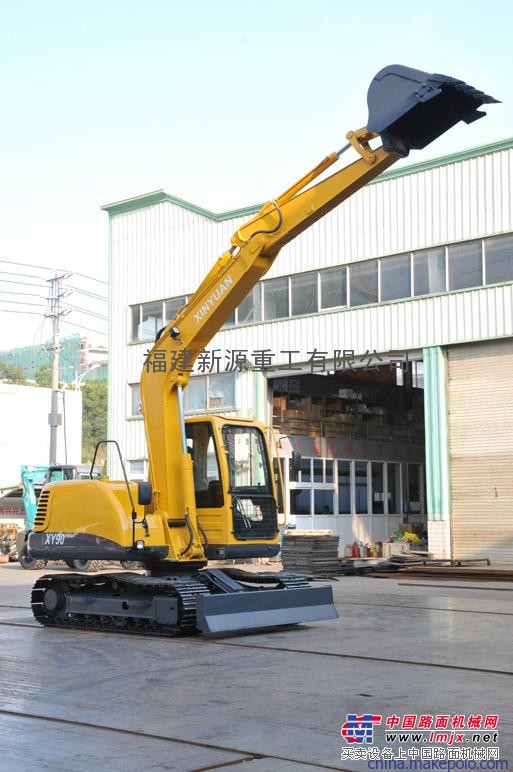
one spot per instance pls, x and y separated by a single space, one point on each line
164 250
480 386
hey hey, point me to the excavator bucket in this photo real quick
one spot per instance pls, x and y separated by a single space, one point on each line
409 108
227 612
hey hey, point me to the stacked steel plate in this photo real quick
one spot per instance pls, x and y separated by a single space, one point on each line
311 553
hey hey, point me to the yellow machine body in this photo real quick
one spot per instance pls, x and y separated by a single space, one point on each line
235 497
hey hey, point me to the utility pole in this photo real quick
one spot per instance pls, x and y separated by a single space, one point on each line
54 313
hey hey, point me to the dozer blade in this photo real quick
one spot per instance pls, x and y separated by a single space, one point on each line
410 108
263 608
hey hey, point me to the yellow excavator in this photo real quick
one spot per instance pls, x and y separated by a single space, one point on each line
212 491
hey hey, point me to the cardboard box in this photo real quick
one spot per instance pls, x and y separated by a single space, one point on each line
293 413
395 548
279 404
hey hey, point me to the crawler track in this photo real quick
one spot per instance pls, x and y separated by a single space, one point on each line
119 585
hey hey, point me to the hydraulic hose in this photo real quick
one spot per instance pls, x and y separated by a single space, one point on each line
191 534
202 532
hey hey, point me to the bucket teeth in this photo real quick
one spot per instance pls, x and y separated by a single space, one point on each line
410 108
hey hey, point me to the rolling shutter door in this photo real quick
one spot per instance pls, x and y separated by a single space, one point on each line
480 388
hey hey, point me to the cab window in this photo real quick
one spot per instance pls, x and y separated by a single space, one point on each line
205 465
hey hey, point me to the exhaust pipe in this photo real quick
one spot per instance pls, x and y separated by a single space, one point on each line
409 108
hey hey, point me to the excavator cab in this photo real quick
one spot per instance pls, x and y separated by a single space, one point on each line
236 493
410 108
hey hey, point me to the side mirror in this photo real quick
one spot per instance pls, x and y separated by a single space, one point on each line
296 460
144 493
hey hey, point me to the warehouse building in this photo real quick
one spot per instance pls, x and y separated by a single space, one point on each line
381 340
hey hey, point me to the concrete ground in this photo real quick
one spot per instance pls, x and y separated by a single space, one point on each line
264 702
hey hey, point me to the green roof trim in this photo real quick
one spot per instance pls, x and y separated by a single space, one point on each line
462 155
158 196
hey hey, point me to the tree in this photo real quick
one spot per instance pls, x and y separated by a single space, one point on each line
11 373
43 377
94 419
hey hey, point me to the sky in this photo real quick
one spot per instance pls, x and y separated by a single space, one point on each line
223 104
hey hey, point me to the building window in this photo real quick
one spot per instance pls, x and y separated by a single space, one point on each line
172 306
363 281
318 470
334 287
276 298
306 470
429 271
210 392
394 489
138 469
136 322
414 497
195 394
135 400
378 488
395 277
152 320
221 391
440 269
360 484
323 501
293 473
465 265
300 501
147 320
250 310
499 259
344 487
303 289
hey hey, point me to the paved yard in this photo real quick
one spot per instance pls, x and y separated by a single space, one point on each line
260 702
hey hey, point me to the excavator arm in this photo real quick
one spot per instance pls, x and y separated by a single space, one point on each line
427 106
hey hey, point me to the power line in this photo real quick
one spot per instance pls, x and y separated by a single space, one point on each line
86 276
89 313
89 294
46 268
83 327
28 265
23 275
23 294
22 283
21 303
13 311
